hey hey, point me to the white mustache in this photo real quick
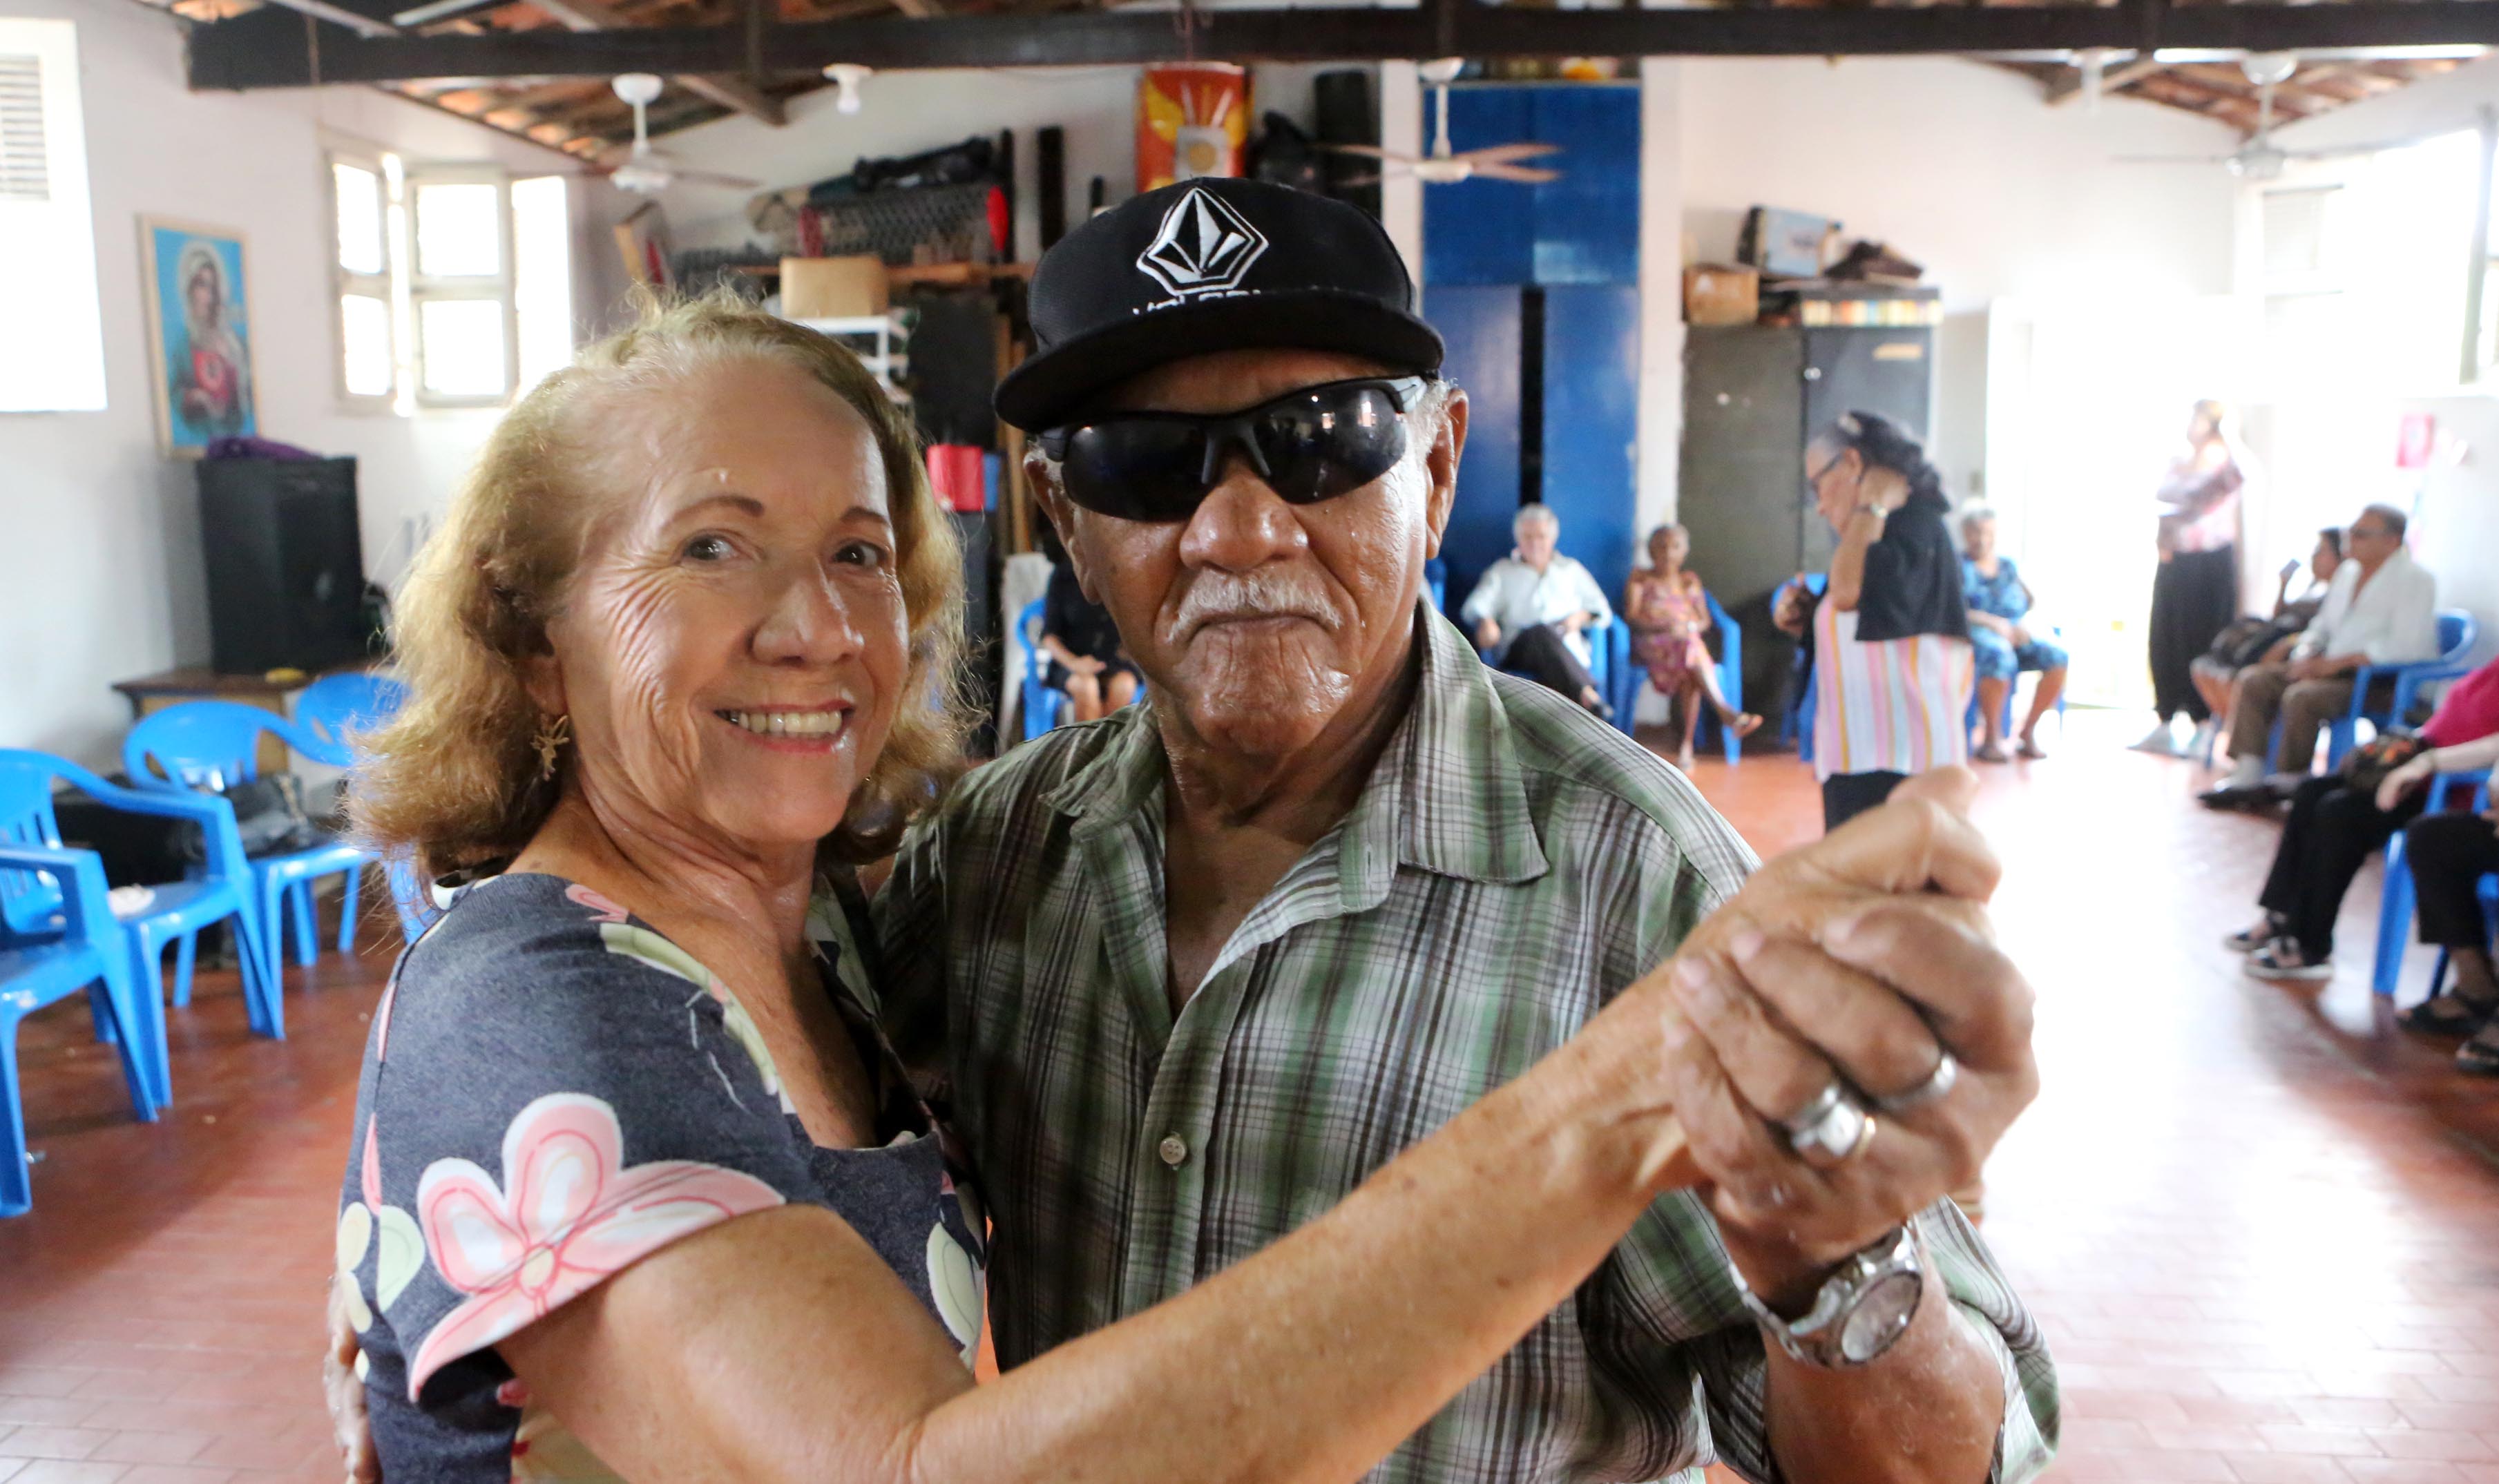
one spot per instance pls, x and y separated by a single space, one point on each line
1218 597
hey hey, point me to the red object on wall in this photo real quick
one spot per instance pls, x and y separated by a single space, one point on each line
2417 441
957 476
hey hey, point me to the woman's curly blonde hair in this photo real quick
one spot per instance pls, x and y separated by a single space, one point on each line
454 778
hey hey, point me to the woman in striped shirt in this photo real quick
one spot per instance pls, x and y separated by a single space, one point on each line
1893 664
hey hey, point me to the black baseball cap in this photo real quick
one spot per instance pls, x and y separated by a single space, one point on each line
1206 266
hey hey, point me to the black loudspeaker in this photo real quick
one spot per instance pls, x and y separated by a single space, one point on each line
1346 115
1051 184
286 564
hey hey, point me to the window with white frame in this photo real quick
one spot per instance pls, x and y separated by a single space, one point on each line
53 331
454 281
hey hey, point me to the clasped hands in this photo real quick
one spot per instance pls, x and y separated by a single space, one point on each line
1864 957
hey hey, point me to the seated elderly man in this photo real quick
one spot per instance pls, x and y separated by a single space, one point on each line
1531 611
1184 977
2382 608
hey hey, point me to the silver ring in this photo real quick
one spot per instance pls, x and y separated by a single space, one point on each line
1939 1082
1833 1129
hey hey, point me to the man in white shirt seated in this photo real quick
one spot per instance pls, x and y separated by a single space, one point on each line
2382 608
1531 611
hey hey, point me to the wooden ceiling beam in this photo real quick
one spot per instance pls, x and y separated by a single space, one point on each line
250 52
727 90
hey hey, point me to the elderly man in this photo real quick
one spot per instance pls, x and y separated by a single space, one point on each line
2382 608
1531 610
1192 972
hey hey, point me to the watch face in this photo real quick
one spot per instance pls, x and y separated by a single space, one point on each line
1880 1316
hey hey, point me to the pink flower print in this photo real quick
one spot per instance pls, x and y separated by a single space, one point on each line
372 1163
382 1019
569 1217
601 909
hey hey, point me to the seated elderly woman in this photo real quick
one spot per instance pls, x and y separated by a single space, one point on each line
1998 601
1087 660
2252 641
1531 611
638 1188
1669 612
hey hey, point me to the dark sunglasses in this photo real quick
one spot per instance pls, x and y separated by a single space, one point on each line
1309 445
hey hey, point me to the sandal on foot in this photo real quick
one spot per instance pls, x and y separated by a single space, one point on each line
1990 752
2283 959
2446 1015
2480 1057
2030 747
1744 725
2248 940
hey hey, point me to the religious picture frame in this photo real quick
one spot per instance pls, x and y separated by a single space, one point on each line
199 334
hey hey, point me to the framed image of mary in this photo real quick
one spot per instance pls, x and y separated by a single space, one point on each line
199 334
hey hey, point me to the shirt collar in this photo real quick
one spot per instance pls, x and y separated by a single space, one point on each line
1448 795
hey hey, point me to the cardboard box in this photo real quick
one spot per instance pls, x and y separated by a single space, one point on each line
833 288
1721 296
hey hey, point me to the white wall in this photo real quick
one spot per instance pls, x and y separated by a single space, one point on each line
100 545
1963 168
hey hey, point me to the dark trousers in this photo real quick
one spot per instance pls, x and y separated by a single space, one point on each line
1542 654
1846 795
2332 831
2450 855
2195 595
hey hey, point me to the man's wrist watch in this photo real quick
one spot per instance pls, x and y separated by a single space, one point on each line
1860 1311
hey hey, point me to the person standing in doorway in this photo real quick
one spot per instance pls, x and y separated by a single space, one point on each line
2195 594
1892 666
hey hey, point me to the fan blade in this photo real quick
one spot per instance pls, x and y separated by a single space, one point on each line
1367 151
2172 159
709 177
1503 154
1525 175
2380 147
1357 181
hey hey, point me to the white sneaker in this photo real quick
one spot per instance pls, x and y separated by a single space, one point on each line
2159 739
2200 745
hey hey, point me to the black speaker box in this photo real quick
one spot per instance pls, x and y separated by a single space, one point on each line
286 564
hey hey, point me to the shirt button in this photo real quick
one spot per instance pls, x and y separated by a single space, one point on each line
1174 1150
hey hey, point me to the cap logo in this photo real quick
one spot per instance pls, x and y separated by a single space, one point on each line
1204 247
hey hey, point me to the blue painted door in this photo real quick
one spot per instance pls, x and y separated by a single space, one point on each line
1583 228
1592 425
1482 326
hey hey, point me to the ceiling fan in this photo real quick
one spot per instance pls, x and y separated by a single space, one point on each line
2259 158
645 170
1441 166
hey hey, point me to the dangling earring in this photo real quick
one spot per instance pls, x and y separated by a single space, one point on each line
549 741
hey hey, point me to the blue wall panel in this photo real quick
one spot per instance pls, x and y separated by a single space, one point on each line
1592 425
1480 231
1481 326
1587 224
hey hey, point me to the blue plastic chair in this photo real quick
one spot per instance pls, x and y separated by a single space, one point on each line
1436 580
1798 725
220 891
1609 666
2457 632
2395 902
1042 702
332 709
87 948
212 745
1731 677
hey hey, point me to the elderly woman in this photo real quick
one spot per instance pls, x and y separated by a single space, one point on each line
1892 660
1998 601
637 1187
1531 611
1668 611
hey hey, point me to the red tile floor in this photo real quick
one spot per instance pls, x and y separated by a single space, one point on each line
2260 1229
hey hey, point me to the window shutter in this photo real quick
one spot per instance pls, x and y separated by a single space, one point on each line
25 173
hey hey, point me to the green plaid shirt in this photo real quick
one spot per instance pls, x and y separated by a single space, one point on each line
1510 865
